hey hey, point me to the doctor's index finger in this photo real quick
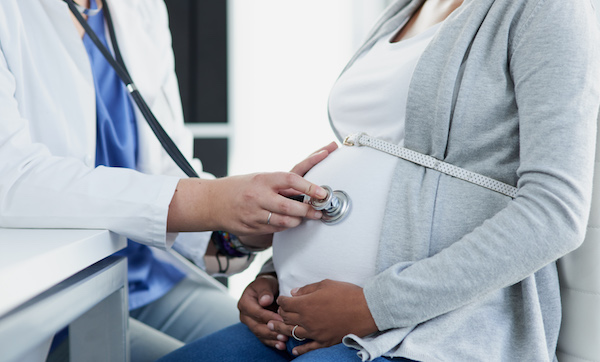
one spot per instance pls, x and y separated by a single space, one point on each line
309 162
296 182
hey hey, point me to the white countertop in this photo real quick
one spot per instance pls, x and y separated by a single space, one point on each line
33 260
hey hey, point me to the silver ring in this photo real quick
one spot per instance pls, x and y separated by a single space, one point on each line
269 218
294 334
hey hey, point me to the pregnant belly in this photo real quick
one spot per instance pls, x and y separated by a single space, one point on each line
345 251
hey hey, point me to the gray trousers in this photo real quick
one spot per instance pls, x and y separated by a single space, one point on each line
192 309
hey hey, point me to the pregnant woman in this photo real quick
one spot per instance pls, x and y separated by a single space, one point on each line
428 267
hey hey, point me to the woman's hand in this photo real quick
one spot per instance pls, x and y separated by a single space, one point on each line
324 312
257 307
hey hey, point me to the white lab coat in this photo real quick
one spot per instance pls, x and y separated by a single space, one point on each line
48 122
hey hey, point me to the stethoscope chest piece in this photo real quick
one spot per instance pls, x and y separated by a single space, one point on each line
334 207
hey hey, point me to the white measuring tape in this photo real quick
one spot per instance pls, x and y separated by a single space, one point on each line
363 139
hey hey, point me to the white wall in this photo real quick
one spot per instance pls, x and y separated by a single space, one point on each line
284 57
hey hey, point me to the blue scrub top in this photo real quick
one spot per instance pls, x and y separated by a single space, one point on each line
117 146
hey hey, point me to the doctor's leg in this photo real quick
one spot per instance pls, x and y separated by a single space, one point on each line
192 309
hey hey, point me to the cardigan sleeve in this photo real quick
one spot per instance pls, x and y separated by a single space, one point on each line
555 70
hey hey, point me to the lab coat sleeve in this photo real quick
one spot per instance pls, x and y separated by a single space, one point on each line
193 246
166 104
41 190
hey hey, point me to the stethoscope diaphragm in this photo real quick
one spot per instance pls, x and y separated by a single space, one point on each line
334 207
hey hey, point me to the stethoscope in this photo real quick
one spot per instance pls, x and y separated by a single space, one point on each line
335 207
119 66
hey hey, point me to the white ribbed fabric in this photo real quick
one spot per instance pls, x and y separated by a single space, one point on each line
371 96
362 139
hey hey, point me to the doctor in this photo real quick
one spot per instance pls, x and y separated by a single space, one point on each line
76 153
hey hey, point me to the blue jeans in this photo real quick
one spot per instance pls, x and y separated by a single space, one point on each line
238 343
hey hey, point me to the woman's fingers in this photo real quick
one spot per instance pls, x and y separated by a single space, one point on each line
284 328
307 347
342 309
261 331
299 332
254 313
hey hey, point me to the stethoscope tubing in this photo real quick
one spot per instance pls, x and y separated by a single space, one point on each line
118 65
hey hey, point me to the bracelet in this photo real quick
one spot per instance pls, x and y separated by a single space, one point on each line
229 245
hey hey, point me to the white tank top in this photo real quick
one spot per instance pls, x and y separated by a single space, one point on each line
369 97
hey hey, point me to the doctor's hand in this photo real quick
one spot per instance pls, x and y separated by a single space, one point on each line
309 162
264 241
324 312
243 205
257 307
303 167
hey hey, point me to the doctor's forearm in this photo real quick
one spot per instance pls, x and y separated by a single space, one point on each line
189 209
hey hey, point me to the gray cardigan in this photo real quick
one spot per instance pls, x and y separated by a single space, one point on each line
508 89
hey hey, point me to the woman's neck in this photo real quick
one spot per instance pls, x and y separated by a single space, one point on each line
429 14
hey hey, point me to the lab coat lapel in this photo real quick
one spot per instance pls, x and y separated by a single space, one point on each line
137 46
59 15
78 79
